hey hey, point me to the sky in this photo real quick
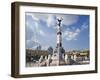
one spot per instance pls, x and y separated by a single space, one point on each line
40 29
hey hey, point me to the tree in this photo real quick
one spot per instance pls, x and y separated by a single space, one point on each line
50 50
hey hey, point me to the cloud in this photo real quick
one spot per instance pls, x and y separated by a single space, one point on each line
31 29
45 47
28 33
34 43
33 16
51 20
71 35
38 23
85 25
73 32
28 25
34 26
34 39
77 30
42 33
68 19
31 43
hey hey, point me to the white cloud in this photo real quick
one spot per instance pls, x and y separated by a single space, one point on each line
42 33
84 26
38 16
35 27
71 35
34 39
45 47
68 19
77 30
28 25
32 43
38 30
33 16
49 20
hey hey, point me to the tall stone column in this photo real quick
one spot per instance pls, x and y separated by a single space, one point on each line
59 41
57 57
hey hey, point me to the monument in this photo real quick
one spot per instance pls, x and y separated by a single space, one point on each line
58 55
57 58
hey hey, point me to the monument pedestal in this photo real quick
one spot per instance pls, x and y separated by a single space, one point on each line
56 61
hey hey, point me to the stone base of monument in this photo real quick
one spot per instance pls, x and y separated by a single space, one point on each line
43 63
55 61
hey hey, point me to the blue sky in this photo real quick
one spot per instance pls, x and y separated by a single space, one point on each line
40 29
